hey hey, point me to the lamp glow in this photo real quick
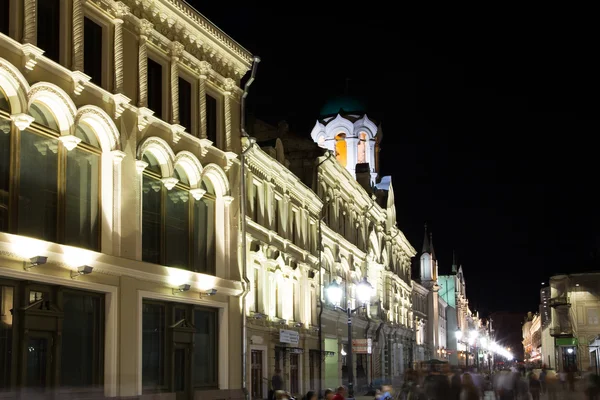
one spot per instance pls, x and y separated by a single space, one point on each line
364 290
458 334
334 293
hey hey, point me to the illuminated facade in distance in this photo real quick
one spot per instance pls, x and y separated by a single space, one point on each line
119 135
357 238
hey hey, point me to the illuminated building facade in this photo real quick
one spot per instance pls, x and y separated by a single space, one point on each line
356 238
118 245
570 339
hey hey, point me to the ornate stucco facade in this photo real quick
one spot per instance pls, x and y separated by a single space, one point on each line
348 231
119 141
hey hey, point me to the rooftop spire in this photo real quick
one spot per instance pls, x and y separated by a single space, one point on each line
454 266
428 243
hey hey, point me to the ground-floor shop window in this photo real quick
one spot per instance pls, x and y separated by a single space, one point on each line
179 347
51 338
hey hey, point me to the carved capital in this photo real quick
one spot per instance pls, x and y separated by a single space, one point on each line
229 85
118 156
176 49
144 27
169 182
140 166
227 200
121 9
197 193
204 69
22 121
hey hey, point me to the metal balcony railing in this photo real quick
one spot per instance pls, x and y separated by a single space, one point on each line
561 331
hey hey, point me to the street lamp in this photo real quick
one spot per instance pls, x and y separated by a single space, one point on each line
364 290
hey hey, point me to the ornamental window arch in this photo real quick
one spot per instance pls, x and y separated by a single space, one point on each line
62 156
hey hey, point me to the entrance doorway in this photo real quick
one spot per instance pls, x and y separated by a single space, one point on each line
256 366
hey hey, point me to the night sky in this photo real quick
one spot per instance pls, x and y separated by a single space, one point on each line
490 129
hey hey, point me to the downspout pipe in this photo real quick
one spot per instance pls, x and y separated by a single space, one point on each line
246 282
325 204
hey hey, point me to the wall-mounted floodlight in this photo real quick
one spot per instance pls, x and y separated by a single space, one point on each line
299 325
182 288
283 322
258 315
210 292
83 270
35 261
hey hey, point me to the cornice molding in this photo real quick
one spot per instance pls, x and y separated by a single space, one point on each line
178 21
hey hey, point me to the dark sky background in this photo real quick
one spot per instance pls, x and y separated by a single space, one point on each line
490 128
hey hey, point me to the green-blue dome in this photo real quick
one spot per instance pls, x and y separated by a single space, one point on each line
347 104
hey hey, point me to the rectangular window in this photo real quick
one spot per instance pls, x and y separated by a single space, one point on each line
4 16
92 50
296 301
155 88
185 104
38 187
278 305
205 348
204 235
153 346
6 335
211 119
256 296
48 28
82 340
276 214
592 316
151 220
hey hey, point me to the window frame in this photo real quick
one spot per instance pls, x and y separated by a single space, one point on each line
107 66
191 226
170 345
15 170
214 92
159 57
21 290
187 75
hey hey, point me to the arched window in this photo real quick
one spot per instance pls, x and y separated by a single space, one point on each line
362 148
177 230
54 188
340 148
4 104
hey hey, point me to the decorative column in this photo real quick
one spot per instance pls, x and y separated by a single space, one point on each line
144 29
122 10
229 87
175 50
204 70
78 35
30 28
118 157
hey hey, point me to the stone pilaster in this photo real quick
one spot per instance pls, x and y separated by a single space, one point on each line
122 10
30 27
204 70
229 87
78 35
175 50
144 29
